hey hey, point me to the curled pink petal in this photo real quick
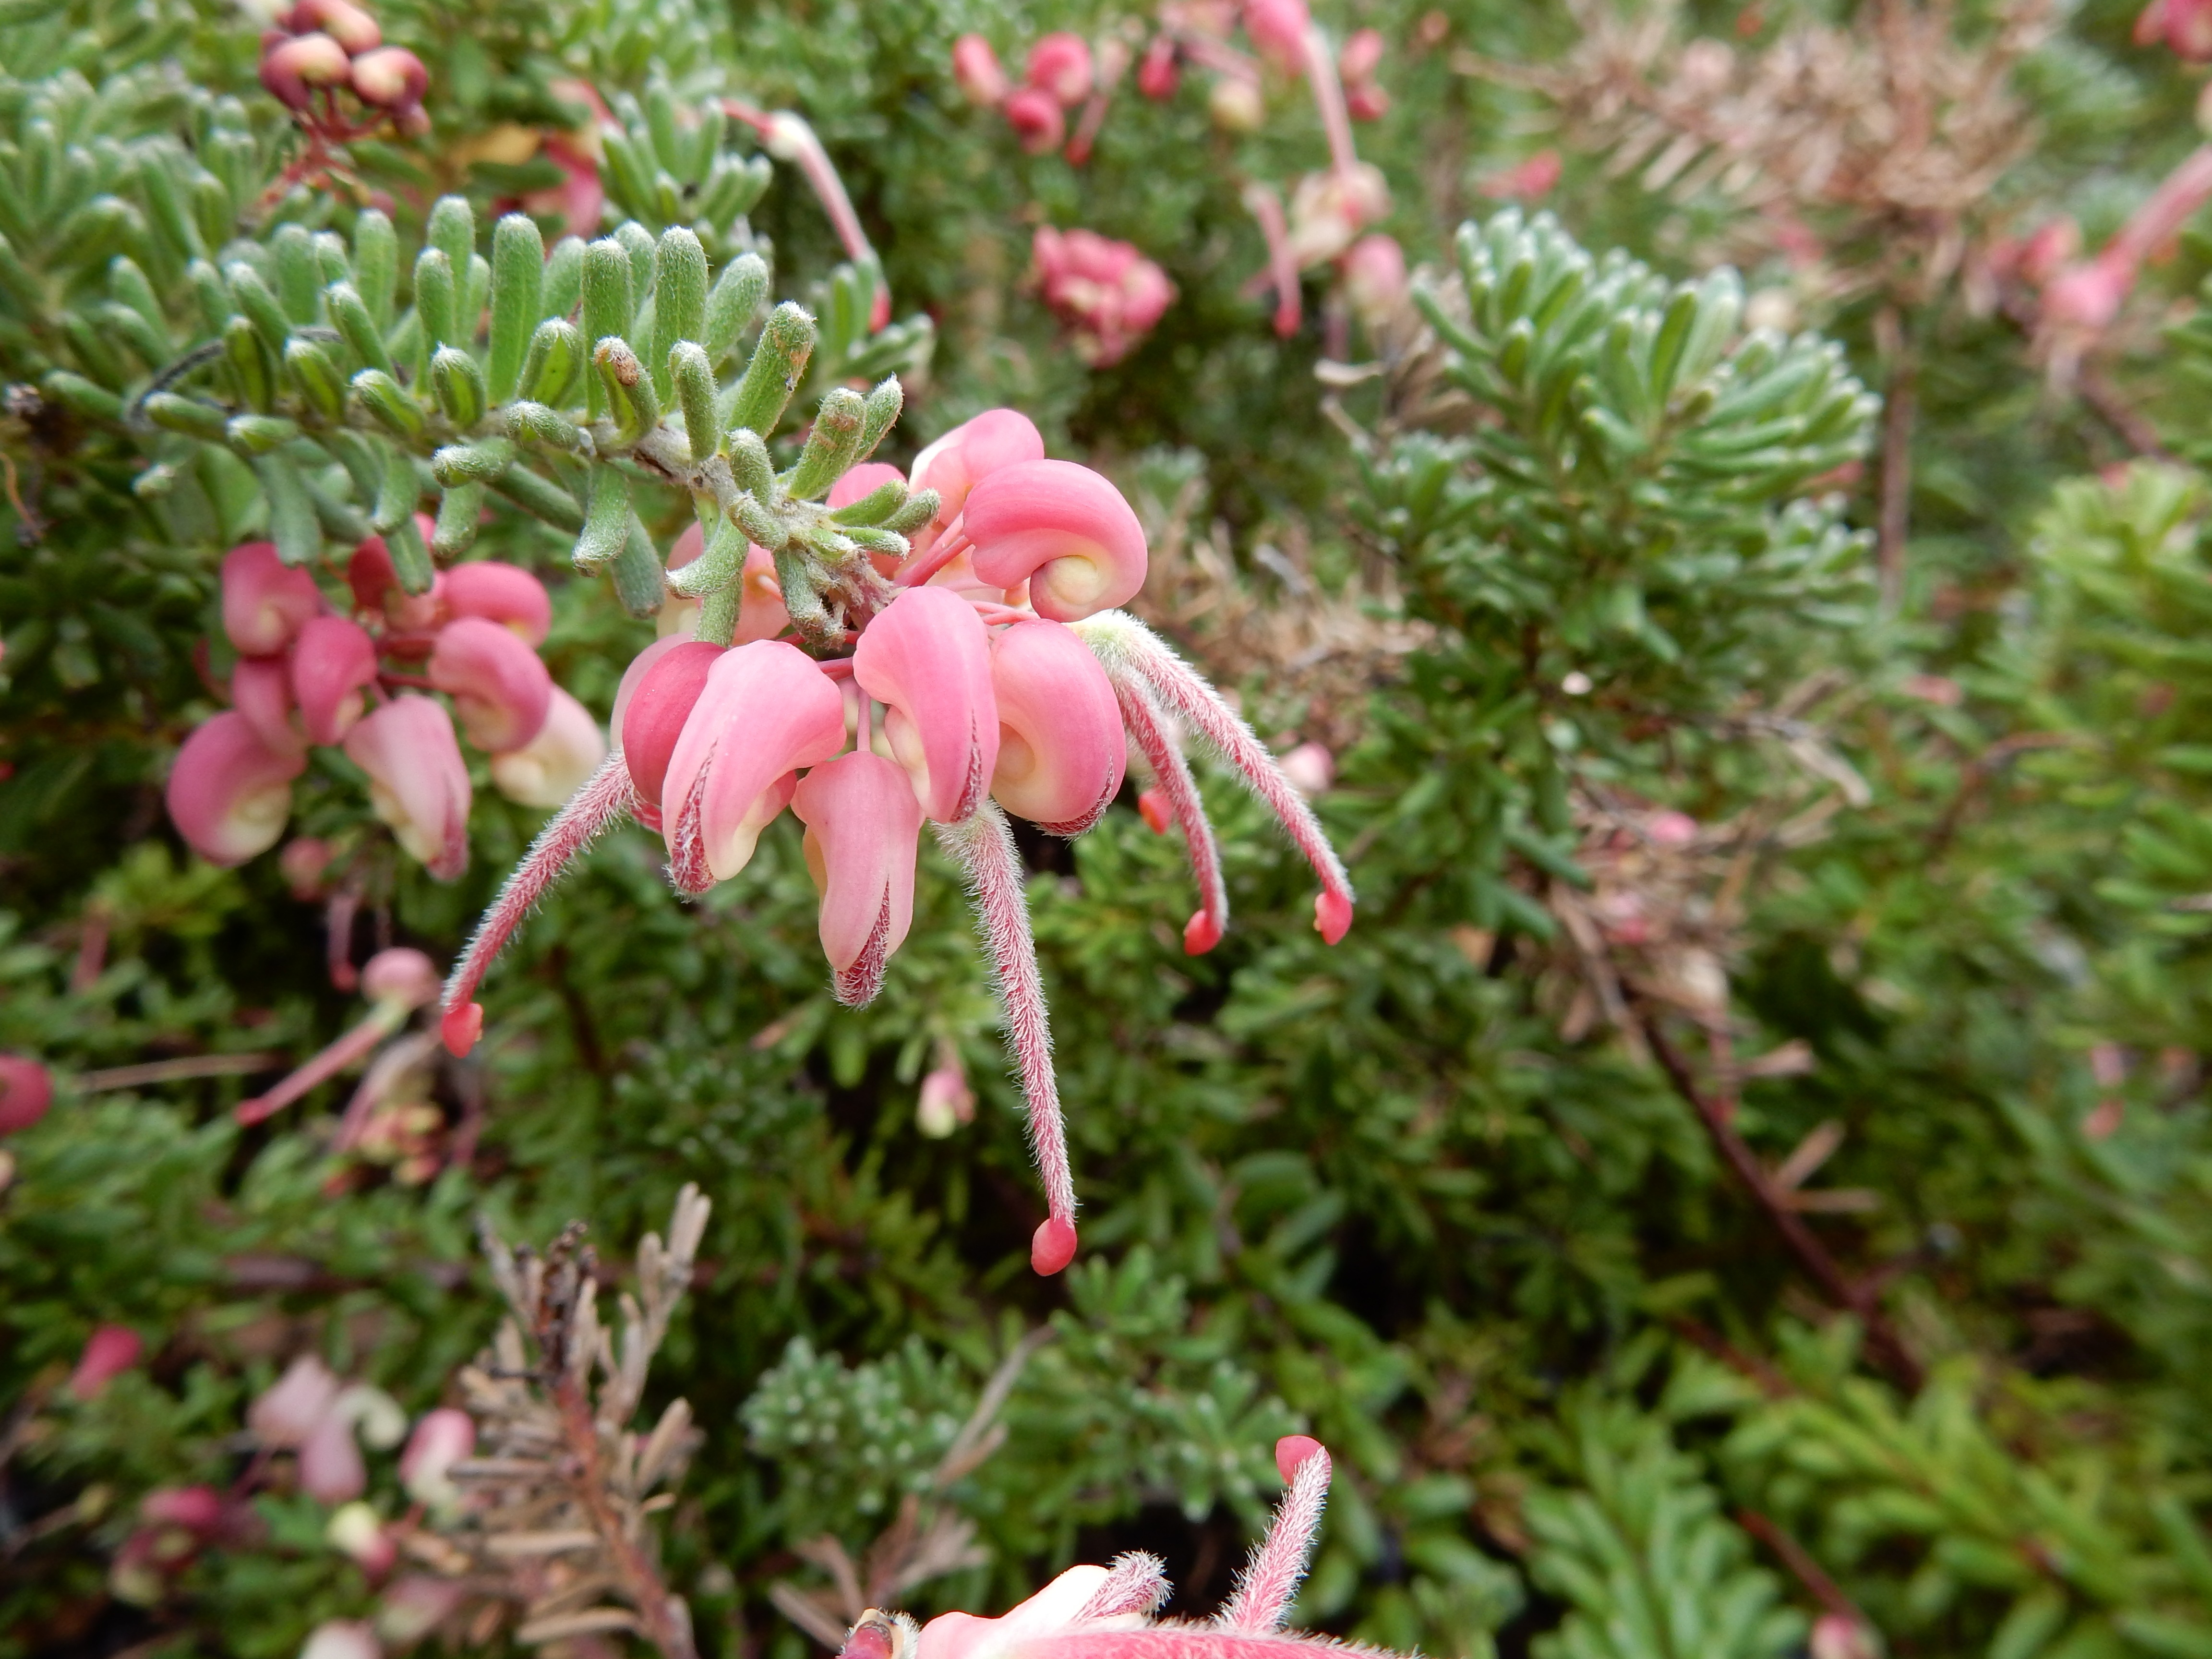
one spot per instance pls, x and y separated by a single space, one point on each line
108 1352
230 793
499 689
604 799
976 70
1063 529
1060 747
1278 28
504 594
1035 115
1270 1580
27 1090
417 782
927 657
973 449
553 765
442 1438
863 825
401 975
266 601
650 714
765 710
1059 64
333 665
292 72
261 690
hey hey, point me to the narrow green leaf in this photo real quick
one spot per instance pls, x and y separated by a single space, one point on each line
518 268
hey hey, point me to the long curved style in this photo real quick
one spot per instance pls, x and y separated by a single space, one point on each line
1171 774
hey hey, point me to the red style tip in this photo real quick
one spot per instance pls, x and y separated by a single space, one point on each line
1201 934
461 1027
1332 916
1052 1247
1152 806
1291 1450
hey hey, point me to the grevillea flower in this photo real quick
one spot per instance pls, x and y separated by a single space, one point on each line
1059 64
356 1529
417 782
1106 1613
266 601
989 673
977 71
442 1438
863 828
1357 63
1106 291
1036 119
2185 26
553 765
333 665
499 689
294 71
261 690
230 793
175 1523
1157 71
504 594
108 1352
310 1411
760 611
27 1090
344 22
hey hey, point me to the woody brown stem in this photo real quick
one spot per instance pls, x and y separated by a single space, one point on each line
1808 1572
661 1613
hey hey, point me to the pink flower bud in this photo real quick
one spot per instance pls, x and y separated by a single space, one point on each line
945 1102
198 1510
553 765
230 793
330 1467
927 658
1362 54
27 1090
303 863
504 594
1063 529
1035 116
344 22
1278 28
650 714
1159 73
333 665
342 1639
417 781
863 825
375 584
108 1352
392 78
1366 102
261 690
1375 277
286 1412
1310 768
442 1438
765 710
1839 1635
499 689
1060 746
266 601
1059 64
291 72
355 1530
400 975
976 70
972 450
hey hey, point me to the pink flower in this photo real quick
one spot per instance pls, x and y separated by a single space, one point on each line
417 782
1374 281
356 1529
1157 72
862 824
1035 116
976 70
1059 64
760 611
2185 26
1105 290
580 201
1524 181
293 72
108 1352
309 1411
261 690
1330 208
1839 1635
442 1438
230 793
1364 99
553 765
342 1639
1278 28
196 1509
400 975
1062 528
415 1604
650 712
266 601
972 450
391 78
344 22
926 659
375 583
286 1413
765 710
1310 768
333 665
1061 748
945 1101
504 594
499 689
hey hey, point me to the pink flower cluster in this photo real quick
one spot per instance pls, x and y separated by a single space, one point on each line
1058 76
1107 292
2185 26
997 675
320 46
307 675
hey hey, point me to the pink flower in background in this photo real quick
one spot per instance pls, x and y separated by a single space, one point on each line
311 1411
1036 119
2185 27
997 677
442 1438
1362 54
108 1352
1375 280
553 765
1525 181
977 71
1157 71
418 783
266 601
1106 291
500 690
1059 64
27 1090
230 793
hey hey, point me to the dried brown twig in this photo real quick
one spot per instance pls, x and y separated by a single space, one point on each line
561 1488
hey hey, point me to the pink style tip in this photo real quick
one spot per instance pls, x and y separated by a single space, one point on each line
504 594
1200 933
1332 916
460 1029
1291 1450
266 601
1063 529
1052 1247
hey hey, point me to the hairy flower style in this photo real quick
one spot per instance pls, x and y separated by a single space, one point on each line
229 792
988 673
1106 291
1106 1613
418 783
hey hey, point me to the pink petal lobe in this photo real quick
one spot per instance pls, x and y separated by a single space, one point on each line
861 480
230 793
504 594
863 830
499 689
650 714
261 690
973 450
553 765
765 709
333 665
1062 528
1061 748
27 1090
417 782
266 601
762 614
927 657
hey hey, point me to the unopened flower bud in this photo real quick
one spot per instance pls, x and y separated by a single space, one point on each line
391 77
442 1438
1059 64
976 70
108 1352
1035 117
292 72
26 1089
